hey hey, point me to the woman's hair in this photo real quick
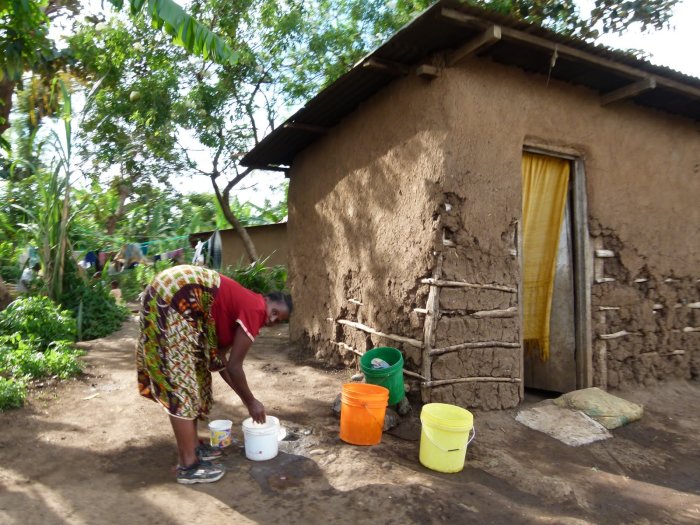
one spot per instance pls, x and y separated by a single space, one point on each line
115 285
282 298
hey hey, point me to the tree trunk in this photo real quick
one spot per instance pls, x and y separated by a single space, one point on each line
230 217
240 230
7 88
5 298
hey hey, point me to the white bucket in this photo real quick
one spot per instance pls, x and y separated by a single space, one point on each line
220 433
261 440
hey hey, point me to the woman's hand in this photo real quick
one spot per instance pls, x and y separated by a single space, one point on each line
256 411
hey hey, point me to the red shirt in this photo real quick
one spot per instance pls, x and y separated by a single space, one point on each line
234 307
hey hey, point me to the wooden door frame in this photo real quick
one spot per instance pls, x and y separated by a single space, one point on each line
583 264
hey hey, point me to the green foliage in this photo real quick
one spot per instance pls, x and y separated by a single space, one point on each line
39 318
185 30
610 16
23 359
12 394
132 282
258 277
100 315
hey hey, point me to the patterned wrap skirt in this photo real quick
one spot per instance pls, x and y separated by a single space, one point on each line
177 347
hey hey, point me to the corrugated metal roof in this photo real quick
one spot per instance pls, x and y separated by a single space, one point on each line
521 44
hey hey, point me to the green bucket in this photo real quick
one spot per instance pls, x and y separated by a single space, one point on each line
390 378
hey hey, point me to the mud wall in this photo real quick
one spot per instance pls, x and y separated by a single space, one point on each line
431 170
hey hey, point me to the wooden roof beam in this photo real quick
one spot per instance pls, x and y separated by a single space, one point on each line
491 36
457 17
427 71
571 52
393 68
628 91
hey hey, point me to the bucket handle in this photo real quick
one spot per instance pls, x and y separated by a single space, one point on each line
473 435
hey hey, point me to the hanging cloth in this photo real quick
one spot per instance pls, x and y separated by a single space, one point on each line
215 249
545 186
198 253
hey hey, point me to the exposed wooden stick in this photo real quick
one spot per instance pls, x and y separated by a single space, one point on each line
433 308
461 284
478 344
430 384
412 374
601 280
693 305
658 306
688 329
355 301
508 312
641 280
621 333
665 354
604 253
346 347
427 71
421 311
671 280
393 337
604 308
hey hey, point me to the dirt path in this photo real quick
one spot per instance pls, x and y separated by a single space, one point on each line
91 451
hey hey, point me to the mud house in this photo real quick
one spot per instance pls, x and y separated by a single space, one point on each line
270 241
510 207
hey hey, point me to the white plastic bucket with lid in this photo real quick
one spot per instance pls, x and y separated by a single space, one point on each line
261 439
220 433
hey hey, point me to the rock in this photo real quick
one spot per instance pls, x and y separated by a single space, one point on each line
403 407
317 452
357 377
337 404
387 465
391 419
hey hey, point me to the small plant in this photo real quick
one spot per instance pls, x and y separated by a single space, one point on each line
23 359
258 277
12 394
99 314
39 318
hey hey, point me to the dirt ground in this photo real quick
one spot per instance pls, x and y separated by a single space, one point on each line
92 451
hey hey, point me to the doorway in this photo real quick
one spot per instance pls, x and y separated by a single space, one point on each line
555 291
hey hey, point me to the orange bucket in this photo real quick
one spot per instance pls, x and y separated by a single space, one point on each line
362 413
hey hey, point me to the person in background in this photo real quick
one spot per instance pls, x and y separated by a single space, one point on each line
25 281
195 321
116 292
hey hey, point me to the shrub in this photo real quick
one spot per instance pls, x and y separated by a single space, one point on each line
12 394
258 277
39 318
99 314
22 360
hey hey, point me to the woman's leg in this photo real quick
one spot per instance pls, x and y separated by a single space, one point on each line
186 436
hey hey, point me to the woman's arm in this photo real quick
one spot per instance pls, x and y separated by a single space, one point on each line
234 375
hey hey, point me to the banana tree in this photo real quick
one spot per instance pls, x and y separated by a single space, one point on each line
184 30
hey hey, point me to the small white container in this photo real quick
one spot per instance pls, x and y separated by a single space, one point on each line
261 440
220 433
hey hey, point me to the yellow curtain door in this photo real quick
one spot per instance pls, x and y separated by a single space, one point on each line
545 185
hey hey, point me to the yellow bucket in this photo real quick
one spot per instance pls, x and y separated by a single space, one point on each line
445 436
